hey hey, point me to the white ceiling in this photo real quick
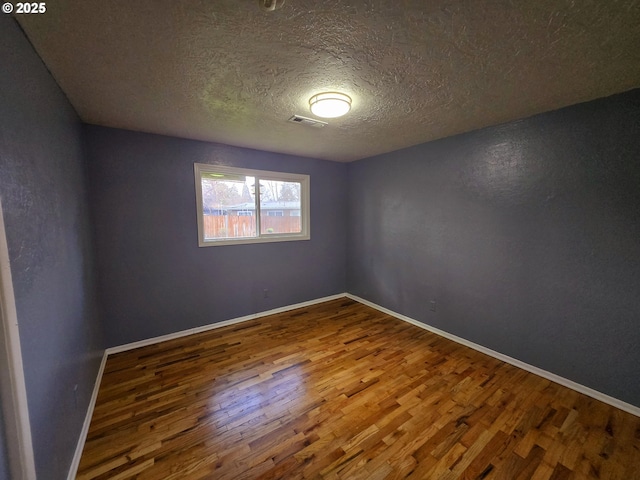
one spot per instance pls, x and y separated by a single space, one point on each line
417 70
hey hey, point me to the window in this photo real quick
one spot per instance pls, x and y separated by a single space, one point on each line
236 205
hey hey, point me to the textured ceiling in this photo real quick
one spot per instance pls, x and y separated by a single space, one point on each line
417 70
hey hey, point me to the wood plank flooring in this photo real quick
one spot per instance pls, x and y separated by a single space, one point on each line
341 391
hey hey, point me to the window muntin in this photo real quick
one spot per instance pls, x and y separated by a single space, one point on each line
231 210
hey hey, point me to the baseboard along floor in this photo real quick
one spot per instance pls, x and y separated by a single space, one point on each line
339 389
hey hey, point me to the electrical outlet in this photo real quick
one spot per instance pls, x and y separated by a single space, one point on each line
432 305
265 293
75 395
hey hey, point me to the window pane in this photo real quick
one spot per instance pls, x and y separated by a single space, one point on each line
228 206
278 203
238 205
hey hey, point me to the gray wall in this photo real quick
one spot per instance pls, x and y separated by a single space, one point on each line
153 277
526 235
47 224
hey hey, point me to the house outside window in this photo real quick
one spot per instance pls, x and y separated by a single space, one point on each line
236 205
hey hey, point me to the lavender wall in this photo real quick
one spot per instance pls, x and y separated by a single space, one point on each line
526 235
154 279
42 184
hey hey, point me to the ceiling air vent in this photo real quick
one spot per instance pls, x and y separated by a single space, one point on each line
309 122
270 5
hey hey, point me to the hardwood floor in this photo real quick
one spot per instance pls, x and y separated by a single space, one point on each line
341 391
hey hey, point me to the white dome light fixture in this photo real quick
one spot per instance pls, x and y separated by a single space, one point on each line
330 104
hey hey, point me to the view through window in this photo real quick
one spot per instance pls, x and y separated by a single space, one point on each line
248 206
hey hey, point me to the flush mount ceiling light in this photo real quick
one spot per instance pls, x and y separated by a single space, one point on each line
330 104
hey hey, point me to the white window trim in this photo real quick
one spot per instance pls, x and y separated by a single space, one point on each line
305 193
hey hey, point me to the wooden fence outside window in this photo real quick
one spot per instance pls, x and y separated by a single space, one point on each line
231 226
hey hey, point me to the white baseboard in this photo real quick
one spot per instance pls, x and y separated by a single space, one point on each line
73 470
143 343
614 402
505 358
212 326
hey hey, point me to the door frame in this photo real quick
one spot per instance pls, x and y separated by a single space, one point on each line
12 384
